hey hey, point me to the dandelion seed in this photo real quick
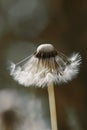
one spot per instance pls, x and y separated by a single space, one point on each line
46 65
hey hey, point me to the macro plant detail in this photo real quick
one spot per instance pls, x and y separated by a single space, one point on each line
46 67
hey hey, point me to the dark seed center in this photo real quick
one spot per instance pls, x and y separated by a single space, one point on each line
45 55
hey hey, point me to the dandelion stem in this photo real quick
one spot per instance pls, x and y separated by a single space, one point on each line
52 105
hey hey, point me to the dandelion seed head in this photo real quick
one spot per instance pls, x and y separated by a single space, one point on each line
45 66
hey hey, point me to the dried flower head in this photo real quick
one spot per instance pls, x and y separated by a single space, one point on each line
46 65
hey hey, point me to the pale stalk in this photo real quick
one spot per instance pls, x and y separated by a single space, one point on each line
52 106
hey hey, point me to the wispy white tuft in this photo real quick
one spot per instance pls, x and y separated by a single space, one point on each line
21 111
41 72
71 70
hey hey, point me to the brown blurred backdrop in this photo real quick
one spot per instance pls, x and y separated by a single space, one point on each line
24 25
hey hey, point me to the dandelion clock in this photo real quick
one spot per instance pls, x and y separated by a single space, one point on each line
46 67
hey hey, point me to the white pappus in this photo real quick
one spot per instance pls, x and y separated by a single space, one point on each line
46 65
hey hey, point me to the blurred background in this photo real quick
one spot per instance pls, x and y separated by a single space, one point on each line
24 24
